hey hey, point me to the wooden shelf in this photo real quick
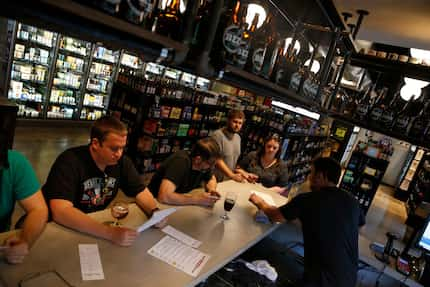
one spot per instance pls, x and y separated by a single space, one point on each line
84 22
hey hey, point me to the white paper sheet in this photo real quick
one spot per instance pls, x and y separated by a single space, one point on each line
155 218
91 265
179 255
169 230
266 197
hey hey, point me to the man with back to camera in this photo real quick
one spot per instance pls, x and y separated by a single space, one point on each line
330 220
18 182
85 179
184 171
229 141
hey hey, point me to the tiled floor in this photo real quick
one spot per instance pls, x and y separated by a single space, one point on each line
42 145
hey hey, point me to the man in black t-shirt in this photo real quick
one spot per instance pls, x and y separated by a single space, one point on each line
330 221
86 179
183 171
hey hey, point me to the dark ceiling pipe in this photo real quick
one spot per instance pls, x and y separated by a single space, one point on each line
346 16
361 14
351 28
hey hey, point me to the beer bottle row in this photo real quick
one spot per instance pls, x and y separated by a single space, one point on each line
255 46
388 112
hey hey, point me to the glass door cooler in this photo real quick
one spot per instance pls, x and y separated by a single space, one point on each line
33 52
70 72
99 83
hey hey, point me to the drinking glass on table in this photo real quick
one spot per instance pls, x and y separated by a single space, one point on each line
230 200
119 210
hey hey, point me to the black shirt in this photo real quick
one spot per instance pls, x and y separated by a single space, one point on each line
75 177
178 169
330 220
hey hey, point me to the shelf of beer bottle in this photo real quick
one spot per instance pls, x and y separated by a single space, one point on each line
257 84
417 71
370 125
87 23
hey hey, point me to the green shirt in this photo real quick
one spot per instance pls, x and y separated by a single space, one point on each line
17 183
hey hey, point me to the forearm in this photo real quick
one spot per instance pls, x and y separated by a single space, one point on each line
272 212
221 165
178 198
33 225
146 201
211 184
73 218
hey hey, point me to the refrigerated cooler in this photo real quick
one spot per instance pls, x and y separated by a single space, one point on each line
99 83
69 75
31 62
59 77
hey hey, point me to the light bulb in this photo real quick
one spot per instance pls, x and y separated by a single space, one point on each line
407 91
420 54
252 10
315 65
415 82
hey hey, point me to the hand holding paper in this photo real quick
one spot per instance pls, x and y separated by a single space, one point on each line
156 218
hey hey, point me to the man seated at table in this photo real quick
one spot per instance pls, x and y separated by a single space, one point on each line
19 183
85 179
184 171
330 220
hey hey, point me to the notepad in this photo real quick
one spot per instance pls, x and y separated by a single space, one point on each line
179 255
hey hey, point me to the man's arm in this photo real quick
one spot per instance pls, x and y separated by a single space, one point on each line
168 195
222 166
35 221
272 212
64 213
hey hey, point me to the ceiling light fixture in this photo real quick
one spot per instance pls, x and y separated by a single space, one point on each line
254 9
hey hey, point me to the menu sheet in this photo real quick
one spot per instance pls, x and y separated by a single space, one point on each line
91 265
179 255
266 197
169 230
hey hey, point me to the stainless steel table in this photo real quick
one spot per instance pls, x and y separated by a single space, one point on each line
57 248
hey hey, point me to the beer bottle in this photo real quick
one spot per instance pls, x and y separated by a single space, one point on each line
169 21
228 37
259 47
243 50
137 11
418 124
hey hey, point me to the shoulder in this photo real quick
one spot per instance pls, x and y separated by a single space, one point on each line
282 164
17 160
75 153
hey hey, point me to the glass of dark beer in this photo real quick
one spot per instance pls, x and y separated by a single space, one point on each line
230 200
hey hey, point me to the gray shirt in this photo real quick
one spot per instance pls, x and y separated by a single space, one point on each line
230 150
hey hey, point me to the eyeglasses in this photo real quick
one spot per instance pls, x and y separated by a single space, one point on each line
45 278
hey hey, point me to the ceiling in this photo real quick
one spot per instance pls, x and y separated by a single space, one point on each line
403 23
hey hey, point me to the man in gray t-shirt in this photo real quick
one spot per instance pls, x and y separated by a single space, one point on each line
228 140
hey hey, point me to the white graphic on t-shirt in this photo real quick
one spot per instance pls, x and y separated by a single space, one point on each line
98 190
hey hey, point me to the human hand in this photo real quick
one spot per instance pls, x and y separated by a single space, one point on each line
251 177
207 199
16 250
123 236
256 200
237 177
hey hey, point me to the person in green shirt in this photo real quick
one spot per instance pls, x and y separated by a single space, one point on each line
18 182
